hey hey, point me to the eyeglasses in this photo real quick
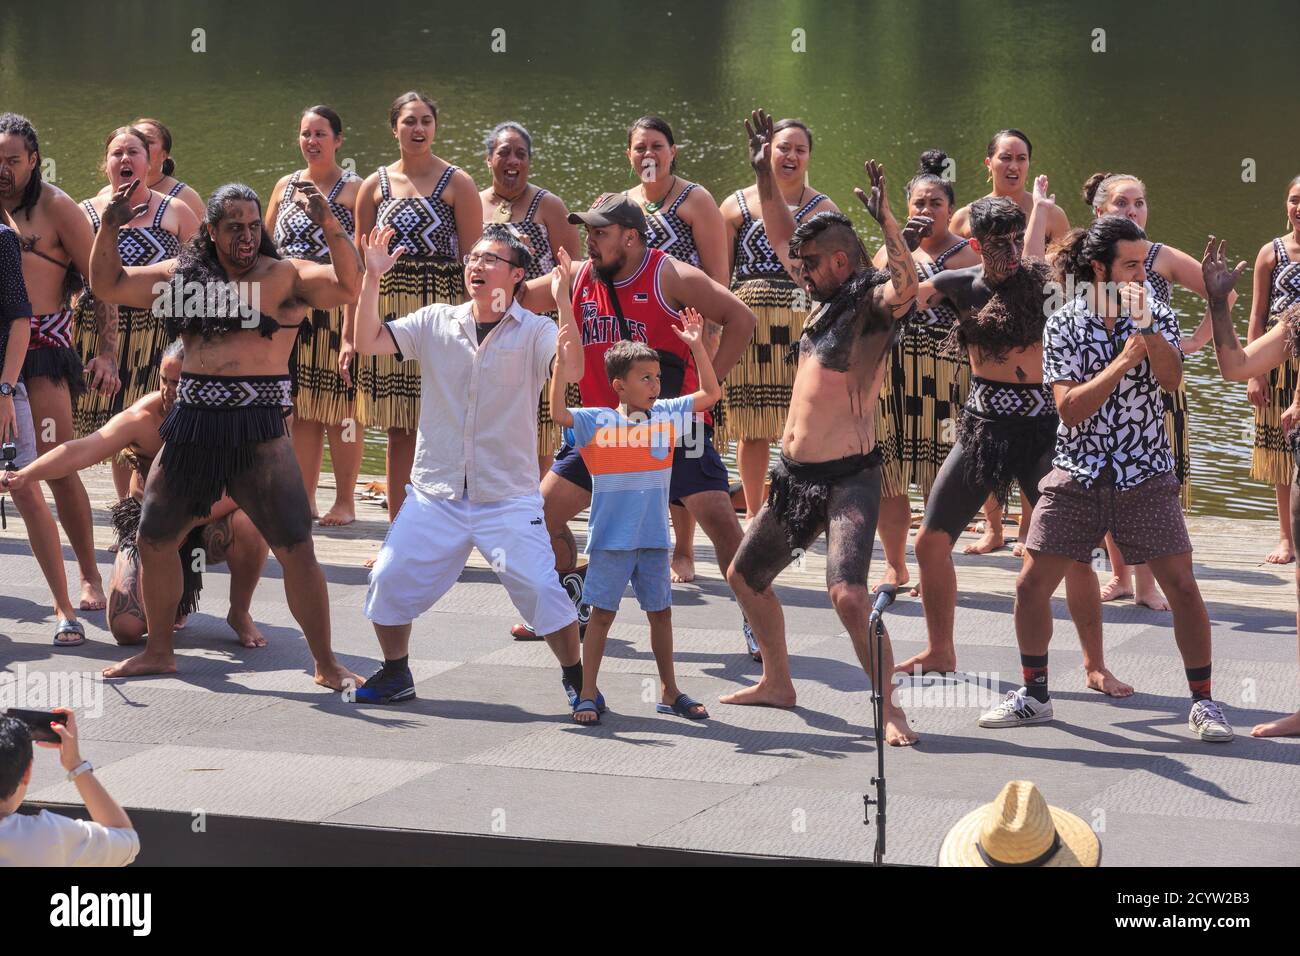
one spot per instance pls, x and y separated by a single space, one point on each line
487 258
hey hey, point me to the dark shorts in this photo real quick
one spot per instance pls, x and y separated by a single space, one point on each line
1146 521
697 467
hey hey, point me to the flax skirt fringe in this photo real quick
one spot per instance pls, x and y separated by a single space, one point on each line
756 393
1271 460
1176 427
141 339
916 417
322 395
388 391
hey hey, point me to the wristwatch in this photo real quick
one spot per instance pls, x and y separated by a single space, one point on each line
8 390
79 769
1149 330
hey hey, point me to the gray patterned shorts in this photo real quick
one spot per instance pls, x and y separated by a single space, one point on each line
1146 521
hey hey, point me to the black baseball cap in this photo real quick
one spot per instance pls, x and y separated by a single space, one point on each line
612 209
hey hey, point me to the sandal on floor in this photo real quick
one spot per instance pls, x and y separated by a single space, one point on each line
682 708
571 692
69 627
586 707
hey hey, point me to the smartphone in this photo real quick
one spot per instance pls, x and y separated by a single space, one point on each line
39 722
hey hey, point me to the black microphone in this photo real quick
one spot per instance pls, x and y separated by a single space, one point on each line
885 595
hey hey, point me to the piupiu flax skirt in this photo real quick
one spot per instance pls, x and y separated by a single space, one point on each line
141 339
1176 427
756 394
916 420
322 395
388 391
1272 461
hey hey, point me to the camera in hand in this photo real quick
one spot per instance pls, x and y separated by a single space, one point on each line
38 721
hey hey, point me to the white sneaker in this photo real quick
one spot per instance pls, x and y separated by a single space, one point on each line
1207 721
1017 709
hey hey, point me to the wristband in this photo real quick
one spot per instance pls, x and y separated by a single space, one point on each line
1149 330
79 769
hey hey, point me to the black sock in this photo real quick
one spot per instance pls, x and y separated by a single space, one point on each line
398 664
573 674
1198 682
1034 668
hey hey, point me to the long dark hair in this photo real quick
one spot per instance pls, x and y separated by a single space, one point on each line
929 170
1078 249
197 261
410 97
22 126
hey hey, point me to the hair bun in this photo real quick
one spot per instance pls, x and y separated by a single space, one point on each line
1090 186
933 162
168 166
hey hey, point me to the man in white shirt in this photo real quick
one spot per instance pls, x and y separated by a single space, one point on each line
48 839
474 483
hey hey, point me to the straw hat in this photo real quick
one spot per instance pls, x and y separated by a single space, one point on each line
1020 829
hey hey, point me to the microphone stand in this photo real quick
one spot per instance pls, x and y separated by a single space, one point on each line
876 625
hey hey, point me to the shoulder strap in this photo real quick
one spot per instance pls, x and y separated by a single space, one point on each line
90 211
532 206
680 199
442 182
744 209
954 248
808 207
385 190
289 187
1280 246
1152 253
176 190
624 330
162 209
337 187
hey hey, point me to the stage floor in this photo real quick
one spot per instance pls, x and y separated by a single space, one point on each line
488 746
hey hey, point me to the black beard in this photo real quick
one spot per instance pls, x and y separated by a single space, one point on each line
1012 319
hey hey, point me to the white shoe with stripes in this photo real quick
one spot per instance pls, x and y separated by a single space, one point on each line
1017 709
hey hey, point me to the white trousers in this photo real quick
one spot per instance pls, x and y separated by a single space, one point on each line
427 546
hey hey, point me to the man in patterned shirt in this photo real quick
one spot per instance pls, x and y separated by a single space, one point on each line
1108 353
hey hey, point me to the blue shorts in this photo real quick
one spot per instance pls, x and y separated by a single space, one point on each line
697 467
608 573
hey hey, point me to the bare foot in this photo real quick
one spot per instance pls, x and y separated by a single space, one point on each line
897 731
1116 589
682 568
337 677
1286 727
1106 682
916 590
141 664
1154 600
181 621
92 596
342 513
245 629
929 661
990 541
760 695
1284 553
370 562
1018 549
893 576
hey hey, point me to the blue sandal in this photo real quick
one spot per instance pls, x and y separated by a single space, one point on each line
586 707
69 627
572 694
682 708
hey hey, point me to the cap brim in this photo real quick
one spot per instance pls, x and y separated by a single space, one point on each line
588 219
1079 844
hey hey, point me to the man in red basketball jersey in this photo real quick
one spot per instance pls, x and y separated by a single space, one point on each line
626 290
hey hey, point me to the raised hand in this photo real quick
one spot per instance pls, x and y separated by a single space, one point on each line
877 202
1041 196
562 276
692 330
1133 302
1219 279
917 228
119 210
314 206
375 250
759 130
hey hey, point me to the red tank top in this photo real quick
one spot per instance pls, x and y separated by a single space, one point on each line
648 317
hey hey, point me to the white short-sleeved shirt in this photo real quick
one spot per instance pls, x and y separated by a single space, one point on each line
48 839
478 404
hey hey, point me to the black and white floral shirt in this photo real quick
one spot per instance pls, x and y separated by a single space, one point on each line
1128 431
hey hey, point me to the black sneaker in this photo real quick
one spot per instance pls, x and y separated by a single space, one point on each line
387 687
